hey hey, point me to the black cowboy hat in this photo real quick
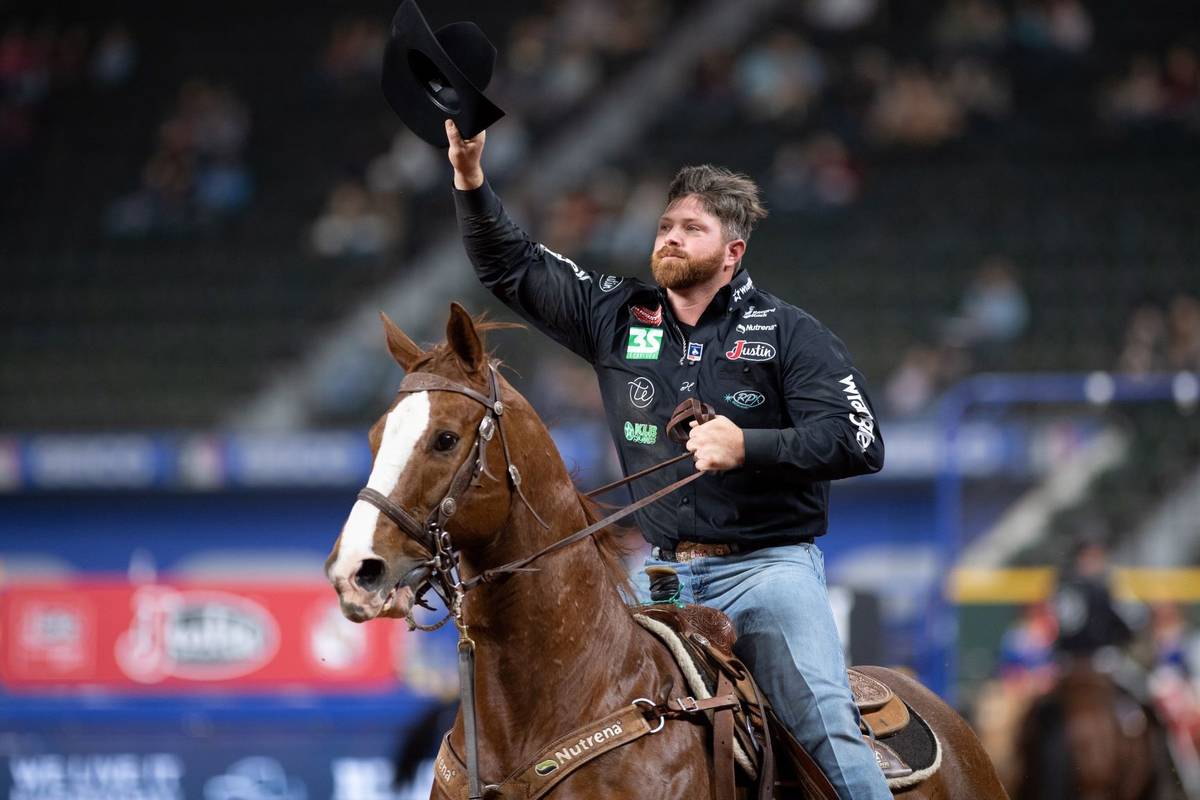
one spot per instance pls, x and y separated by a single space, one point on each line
428 77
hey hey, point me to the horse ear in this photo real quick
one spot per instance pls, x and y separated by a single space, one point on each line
406 352
464 339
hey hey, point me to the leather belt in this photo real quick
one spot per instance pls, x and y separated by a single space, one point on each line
689 551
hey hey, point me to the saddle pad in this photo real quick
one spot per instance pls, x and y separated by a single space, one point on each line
920 749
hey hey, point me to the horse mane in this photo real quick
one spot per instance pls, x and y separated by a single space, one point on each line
609 541
614 550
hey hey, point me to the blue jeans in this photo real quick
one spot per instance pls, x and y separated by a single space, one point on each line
777 600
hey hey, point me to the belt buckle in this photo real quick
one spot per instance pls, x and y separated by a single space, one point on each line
688 551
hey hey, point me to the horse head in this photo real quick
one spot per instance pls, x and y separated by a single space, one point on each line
440 452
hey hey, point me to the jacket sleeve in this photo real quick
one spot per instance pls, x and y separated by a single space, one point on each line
835 434
548 290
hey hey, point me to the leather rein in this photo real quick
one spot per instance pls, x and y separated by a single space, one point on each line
443 567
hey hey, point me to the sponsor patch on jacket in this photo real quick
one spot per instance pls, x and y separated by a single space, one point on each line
583 276
641 432
743 290
751 312
695 350
751 351
610 282
648 316
864 420
746 398
644 343
641 392
743 327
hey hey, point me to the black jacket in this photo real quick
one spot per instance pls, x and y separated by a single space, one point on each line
771 368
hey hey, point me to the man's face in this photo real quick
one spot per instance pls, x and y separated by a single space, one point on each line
690 247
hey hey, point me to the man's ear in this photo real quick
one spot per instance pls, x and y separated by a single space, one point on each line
406 352
464 339
734 251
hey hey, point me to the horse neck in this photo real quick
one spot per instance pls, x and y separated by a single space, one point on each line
550 644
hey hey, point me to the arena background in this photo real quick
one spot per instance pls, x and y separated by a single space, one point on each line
203 206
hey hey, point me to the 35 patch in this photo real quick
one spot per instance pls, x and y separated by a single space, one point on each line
644 343
641 432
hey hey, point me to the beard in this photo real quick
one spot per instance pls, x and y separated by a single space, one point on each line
684 272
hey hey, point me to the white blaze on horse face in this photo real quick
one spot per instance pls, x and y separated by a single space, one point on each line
404 428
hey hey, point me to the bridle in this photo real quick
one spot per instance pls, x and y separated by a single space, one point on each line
444 566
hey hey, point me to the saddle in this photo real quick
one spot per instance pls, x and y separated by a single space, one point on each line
702 639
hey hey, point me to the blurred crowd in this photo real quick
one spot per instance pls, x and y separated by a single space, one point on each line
39 59
196 177
548 63
1160 337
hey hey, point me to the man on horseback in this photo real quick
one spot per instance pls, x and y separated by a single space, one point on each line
794 414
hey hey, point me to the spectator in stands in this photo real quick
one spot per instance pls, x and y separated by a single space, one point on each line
1138 96
196 176
971 26
1181 84
353 56
114 58
914 383
815 174
1183 348
994 312
780 77
1145 343
913 110
1063 26
355 223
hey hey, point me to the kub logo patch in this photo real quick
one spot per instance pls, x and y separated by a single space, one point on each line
641 433
644 343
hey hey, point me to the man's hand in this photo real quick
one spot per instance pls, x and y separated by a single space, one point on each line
718 445
465 155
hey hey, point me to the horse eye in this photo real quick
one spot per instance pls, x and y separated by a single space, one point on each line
445 441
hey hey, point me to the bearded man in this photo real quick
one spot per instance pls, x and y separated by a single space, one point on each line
794 415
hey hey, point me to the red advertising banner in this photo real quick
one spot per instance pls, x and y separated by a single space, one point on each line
184 636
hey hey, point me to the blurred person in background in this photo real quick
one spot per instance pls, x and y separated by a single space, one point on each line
1092 629
994 312
755 527
1026 670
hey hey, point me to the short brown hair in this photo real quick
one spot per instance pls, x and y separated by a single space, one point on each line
729 196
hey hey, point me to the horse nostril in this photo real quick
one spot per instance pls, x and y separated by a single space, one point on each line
370 575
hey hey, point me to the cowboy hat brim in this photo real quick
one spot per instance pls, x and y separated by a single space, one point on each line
429 78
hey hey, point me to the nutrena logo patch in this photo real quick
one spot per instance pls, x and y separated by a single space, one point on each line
571 752
644 343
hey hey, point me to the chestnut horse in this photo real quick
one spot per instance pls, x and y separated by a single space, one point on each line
557 647
1088 740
